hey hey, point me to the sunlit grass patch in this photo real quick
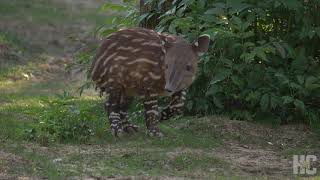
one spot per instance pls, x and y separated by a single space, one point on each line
12 70
46 11
27 161
13 40
68 120
126 161
32 10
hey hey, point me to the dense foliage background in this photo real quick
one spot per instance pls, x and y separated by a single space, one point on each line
263 63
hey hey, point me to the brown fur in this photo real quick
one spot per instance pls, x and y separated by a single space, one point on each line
134 77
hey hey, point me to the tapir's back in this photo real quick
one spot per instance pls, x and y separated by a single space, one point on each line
132 59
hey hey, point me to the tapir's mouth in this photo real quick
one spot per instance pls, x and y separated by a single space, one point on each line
171 88
166 93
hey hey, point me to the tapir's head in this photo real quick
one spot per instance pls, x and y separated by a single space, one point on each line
181 62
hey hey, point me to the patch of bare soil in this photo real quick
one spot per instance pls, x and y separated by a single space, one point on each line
8 160
253 149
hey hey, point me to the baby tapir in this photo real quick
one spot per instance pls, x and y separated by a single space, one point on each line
141 62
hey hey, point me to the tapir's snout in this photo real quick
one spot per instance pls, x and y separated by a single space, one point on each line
168 89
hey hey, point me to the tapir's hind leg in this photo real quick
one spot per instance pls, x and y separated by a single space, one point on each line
112 106
127 126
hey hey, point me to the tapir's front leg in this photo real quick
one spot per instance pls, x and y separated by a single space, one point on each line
152 114
175 107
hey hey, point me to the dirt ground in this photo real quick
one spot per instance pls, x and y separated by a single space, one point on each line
250 149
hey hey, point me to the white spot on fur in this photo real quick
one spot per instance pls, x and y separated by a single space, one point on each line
177 105
120 58
150 102
112 68
151 44
138 40
109 57
153 95
142 60
154 76
126 35
106 51
153 112
125 48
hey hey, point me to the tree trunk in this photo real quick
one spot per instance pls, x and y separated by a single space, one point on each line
152 22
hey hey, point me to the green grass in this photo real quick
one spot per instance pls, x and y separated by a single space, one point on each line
22 110
11 52
11 39
44 11
27 112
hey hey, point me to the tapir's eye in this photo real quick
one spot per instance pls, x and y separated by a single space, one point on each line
167 66
188 67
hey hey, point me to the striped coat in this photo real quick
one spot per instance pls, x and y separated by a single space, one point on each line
141 62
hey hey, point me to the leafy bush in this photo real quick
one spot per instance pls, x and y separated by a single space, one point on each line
69 119
263 63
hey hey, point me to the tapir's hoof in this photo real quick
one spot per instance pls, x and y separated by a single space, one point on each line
154 132
116 130
130 128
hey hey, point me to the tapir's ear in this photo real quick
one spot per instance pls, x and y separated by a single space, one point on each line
202 44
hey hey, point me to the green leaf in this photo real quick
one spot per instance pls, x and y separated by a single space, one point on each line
142 17
180 12
299 104
213 90
215 11
238 81
248 57
108 31
264 102
189 105
113 7
248 44
300 79
287 99
280 49
236 6
282 78
221 75
292 4
312 83
274 101
172 28
261 54
294 85
253 96
160 3
218 103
